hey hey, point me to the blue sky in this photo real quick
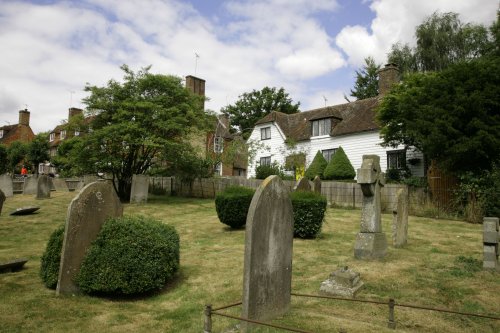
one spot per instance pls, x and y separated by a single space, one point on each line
51 49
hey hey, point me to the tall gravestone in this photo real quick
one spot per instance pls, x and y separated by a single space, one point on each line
371 242
267 274
491 236
2 200
140 188
30 185
60 185
317 184
302 185
6 185
43 187
87 213
400 218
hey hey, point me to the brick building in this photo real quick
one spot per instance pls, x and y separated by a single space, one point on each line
18 132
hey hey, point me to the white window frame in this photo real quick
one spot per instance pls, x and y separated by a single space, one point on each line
52 136
218 169
265 160
218 144
1 133
77 132
63 135
321 127
265 133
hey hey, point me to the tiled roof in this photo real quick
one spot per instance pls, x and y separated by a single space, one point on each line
8 130
353 117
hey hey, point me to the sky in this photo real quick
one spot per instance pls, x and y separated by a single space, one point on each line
49 50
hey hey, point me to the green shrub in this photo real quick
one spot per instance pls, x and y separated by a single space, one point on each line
316 167
339 167
264 171
51 259
232 205
131 255
308 213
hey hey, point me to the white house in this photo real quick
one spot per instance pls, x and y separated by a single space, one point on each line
351 126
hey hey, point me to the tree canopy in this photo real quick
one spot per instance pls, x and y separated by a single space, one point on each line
4 161
366 84
250 107
134 121
451 116
38 150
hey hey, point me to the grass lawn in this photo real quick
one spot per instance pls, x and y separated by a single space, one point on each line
440 267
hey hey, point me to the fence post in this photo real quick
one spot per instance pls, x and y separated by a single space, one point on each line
391 323
353 196
208 319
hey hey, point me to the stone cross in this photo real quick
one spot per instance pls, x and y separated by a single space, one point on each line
400 218
43 187
371 242
140 188
267 274
317 184
6 185
302 185
491 236
2 200
87 213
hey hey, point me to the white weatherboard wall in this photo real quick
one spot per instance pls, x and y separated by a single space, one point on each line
355 146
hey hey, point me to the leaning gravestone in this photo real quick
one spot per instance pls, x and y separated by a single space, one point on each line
6 185
302 185
60 185
400 218
2 200
30 185
87 213
140 188
267 276
317 184
491 235
371 242
43 187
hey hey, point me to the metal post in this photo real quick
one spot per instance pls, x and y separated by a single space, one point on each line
354 196
391 323
208 319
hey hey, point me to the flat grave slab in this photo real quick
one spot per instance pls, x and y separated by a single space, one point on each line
12 265
25 210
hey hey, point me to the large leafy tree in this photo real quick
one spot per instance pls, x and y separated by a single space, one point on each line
16 153
4 162
134 121
451 116
250 107
442 40
366 84
38 150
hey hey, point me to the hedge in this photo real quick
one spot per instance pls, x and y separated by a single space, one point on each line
316 167
51 258
308 213
232 205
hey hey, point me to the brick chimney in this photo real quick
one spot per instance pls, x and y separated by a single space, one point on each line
387 77
24 117
74 112
196 85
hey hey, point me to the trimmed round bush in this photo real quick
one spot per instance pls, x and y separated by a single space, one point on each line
131 255
316 167
308 213
339 168
232 205
51 259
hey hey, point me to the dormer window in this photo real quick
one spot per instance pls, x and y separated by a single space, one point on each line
1 134
218 144
265 133
63 134
52 136
321 127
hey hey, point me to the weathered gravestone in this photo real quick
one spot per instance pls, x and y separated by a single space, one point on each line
87 213
43 187
491 234
2 200
60 185
317 184
371 242
6 185
140 188
400 218
302 185
267 276
343 282
30 185
87 179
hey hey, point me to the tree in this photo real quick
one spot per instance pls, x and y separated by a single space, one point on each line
451 116
250 107
38 150
339 167
442 40
366 84
134 121
16 153
4 162
316 167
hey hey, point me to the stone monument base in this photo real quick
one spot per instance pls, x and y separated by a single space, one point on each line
343 282
370 245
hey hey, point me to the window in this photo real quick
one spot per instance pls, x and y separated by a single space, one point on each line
321 127
265 160
63 134
218 144
265 133
52 136
328 153
77 132
218 169
1 134
396 159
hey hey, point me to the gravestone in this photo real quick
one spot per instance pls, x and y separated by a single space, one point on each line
140 188
30 185
317 184
302 185
400 218
60 185
267 276
343 282
6 185
491 235
24 211
12 265
43 187
87 213
371 242
2 200
87 179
